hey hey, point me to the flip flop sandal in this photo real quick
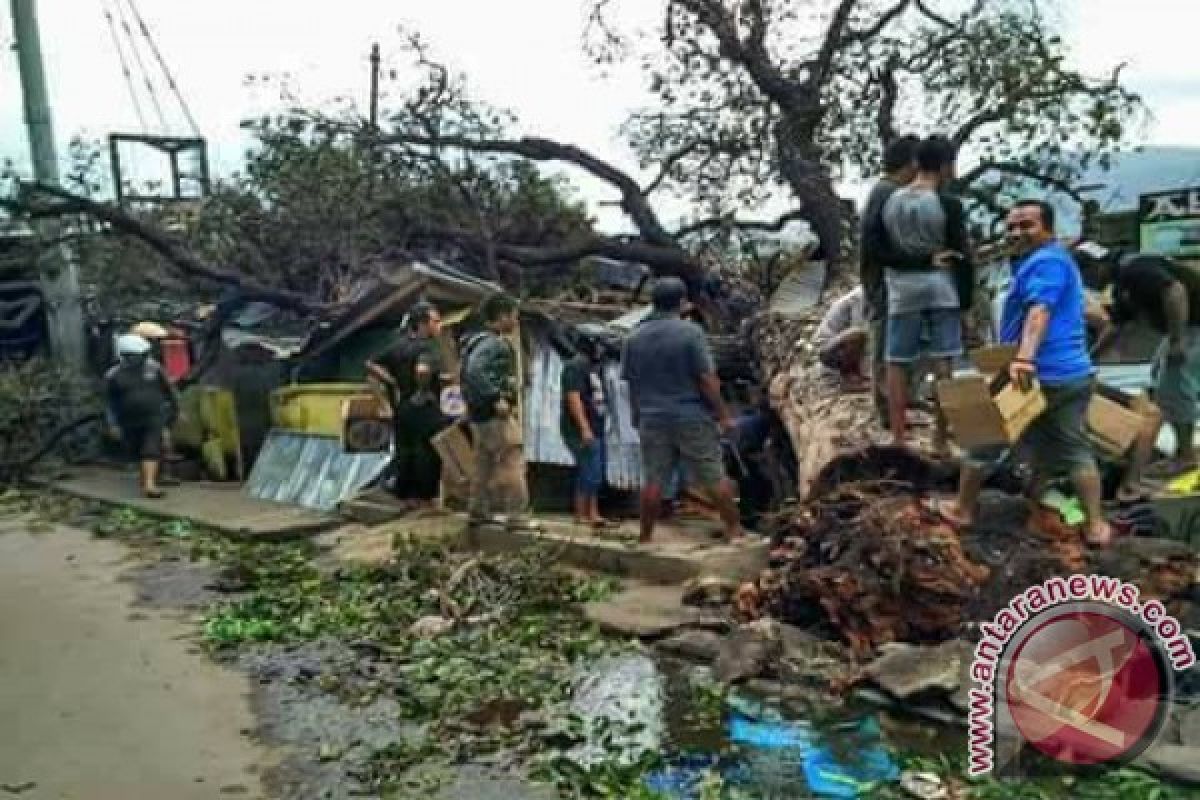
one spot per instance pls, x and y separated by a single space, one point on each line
607 525
154 494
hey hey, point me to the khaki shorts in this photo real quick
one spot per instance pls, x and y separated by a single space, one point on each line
668 443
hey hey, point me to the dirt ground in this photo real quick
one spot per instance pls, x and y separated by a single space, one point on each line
102 700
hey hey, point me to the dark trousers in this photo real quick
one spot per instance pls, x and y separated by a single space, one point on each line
417 465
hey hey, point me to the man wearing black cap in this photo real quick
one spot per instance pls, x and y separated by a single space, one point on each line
675 397
411 373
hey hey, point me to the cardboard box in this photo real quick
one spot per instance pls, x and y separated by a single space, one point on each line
1115 420
458 455
993 359
983 413
1112 427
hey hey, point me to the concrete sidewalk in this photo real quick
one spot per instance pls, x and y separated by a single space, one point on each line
680 549
222 507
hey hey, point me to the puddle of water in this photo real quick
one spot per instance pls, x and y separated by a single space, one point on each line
749 742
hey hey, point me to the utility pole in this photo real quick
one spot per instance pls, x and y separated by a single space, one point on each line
59 272
373 121
375 87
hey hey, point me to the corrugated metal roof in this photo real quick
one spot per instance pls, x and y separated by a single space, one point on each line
800 290
621 274
631 320
543 407
311 471
439 283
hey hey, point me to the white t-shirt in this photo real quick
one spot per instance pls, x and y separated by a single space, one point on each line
847 313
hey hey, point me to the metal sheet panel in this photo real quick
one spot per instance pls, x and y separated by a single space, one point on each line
543 403
311 471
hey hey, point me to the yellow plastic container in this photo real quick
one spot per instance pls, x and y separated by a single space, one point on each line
208 424
314 407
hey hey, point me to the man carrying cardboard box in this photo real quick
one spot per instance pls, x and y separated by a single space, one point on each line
1043 316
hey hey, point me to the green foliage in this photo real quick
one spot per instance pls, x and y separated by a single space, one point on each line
130 524
1102 783
469 685
614 777
36 398
318 207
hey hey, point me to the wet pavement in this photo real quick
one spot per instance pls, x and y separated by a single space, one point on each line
102 700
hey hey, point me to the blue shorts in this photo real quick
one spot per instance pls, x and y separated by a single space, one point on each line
941 326
589 469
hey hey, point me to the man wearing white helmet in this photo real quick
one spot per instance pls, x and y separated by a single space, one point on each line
140 404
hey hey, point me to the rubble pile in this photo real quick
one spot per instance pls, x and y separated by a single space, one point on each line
1162 569
878 567
1021 546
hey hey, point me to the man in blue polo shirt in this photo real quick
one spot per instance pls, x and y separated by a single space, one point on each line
1043 316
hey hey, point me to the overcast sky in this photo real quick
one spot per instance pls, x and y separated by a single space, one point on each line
520 54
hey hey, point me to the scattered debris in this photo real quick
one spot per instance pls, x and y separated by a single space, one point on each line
924 785
431 627
906 671
708 590
748 602
699 645
750 651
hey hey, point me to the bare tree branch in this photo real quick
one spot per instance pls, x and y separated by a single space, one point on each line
633 201
728 222
834 39
671 161
934 16
971 177
161 242
885 19
663 260
889 96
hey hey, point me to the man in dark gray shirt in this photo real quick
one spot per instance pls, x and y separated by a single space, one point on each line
900 167
675 397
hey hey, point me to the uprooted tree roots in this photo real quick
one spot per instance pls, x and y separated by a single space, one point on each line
868 563
879 567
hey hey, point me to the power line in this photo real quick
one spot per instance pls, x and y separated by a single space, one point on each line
163 66
112 29
137 55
